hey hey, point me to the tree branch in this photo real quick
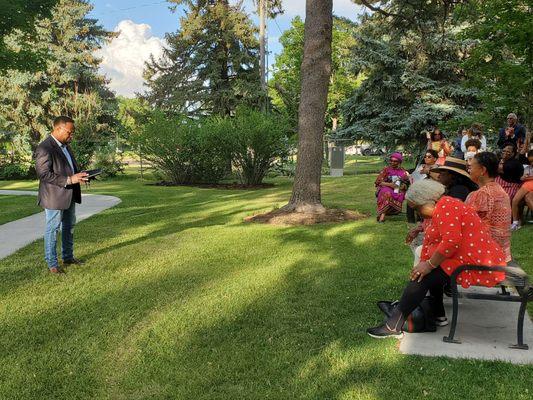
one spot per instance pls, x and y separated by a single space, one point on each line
369 5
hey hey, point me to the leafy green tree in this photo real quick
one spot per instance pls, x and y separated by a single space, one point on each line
500 59
411 57
211 63
285 83
19 16
68 83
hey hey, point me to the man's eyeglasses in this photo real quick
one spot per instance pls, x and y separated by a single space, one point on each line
428 156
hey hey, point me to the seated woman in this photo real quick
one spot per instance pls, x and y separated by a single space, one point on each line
454 175
437 142
391 185
491 202
455 236
524 194
510 170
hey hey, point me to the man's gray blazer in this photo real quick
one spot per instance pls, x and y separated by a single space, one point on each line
53 169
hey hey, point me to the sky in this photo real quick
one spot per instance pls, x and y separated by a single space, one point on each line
142 25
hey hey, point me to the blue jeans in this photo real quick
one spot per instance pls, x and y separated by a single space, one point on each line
55 220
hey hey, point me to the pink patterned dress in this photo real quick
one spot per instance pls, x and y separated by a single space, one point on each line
390 202
493 206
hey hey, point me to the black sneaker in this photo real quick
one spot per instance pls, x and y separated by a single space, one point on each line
441 321
383 331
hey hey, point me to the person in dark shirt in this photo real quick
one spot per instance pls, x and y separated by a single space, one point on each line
510 170
454 176
514 132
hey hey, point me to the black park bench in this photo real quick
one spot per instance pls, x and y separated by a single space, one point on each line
515 278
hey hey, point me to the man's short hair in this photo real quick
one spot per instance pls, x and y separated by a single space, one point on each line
513 116
61 120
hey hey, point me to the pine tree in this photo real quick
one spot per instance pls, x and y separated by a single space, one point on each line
18 16
414 80
67 84
211 63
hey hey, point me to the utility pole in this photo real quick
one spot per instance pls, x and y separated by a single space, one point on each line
262 42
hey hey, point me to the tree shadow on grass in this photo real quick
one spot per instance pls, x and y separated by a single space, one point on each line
166 215
304 339
242 330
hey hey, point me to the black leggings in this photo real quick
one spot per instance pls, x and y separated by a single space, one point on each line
411 215
415 292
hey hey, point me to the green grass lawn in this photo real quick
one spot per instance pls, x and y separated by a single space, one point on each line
15 207
179 299
354 165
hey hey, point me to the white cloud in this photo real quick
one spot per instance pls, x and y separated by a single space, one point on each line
123 59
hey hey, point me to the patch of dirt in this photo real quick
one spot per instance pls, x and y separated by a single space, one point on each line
284 218
231 186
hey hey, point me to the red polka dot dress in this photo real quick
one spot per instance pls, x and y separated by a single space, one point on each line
457 232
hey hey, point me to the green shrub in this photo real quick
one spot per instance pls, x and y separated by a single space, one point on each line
183 150
14 171
256 143
108 161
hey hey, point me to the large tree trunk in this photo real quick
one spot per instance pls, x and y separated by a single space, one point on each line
315 75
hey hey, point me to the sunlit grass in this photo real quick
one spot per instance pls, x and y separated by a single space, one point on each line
180 299
15 207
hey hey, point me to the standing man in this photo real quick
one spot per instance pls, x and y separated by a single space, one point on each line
514 132
59 191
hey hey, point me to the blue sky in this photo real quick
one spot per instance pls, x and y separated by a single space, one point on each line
143 24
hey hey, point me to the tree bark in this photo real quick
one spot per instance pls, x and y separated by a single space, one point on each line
315 76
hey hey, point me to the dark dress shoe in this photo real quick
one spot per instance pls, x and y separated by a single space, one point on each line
73 261
56 270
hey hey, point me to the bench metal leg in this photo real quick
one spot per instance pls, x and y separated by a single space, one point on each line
504 291
520 327
455 311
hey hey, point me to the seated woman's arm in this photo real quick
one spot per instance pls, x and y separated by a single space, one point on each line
446 147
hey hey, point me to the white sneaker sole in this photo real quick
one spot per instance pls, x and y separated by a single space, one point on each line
398 336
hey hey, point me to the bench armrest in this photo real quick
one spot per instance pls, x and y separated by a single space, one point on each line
514 275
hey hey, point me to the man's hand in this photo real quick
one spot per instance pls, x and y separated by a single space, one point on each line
79 178
509 131
419 271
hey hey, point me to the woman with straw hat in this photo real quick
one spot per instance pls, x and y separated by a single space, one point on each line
453 174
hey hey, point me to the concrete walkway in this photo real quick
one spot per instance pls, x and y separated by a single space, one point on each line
485 328
16 234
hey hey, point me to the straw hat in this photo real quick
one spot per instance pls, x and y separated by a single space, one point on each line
453 164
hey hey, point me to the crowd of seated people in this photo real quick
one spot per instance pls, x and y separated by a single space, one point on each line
469 207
